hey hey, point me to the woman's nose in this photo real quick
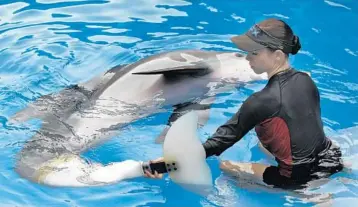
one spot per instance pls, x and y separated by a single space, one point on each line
248 57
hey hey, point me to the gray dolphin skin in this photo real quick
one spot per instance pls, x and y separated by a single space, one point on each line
84 115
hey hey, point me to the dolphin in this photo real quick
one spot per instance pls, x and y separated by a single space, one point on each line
83 115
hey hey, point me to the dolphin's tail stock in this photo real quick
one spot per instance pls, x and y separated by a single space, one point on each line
52 157
70 170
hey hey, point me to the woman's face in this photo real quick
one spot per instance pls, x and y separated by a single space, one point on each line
262 60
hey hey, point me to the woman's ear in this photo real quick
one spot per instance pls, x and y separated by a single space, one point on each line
279 55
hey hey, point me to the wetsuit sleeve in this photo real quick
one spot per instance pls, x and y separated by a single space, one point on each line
234 129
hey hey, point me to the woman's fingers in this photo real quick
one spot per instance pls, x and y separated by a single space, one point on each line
151 175
160 159
157 175
148 174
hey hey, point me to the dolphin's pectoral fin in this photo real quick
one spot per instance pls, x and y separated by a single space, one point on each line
197 69
202 109
182 109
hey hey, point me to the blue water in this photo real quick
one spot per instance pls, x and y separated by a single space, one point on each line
46 45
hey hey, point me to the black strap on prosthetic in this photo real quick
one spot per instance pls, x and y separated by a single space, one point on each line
160 167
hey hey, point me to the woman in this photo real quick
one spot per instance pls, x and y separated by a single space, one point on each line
285 114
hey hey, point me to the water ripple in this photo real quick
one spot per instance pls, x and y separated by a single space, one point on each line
281 16
351 52
238 18
210 8
331 3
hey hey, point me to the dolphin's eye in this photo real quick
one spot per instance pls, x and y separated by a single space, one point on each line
239 55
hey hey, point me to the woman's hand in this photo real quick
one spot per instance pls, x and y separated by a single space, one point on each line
148 174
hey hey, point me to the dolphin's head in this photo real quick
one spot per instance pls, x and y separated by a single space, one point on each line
233 67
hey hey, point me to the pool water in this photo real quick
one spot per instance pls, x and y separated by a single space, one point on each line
48 45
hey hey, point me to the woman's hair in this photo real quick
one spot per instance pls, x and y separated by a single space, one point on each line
281 31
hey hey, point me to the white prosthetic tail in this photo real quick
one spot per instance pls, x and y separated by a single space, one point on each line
183 147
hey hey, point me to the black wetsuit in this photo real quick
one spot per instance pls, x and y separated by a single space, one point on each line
286 115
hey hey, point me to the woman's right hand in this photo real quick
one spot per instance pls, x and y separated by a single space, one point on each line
156 175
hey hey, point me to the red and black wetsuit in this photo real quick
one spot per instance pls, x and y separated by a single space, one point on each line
286 115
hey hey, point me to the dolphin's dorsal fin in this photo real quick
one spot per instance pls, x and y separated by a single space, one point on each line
181 70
